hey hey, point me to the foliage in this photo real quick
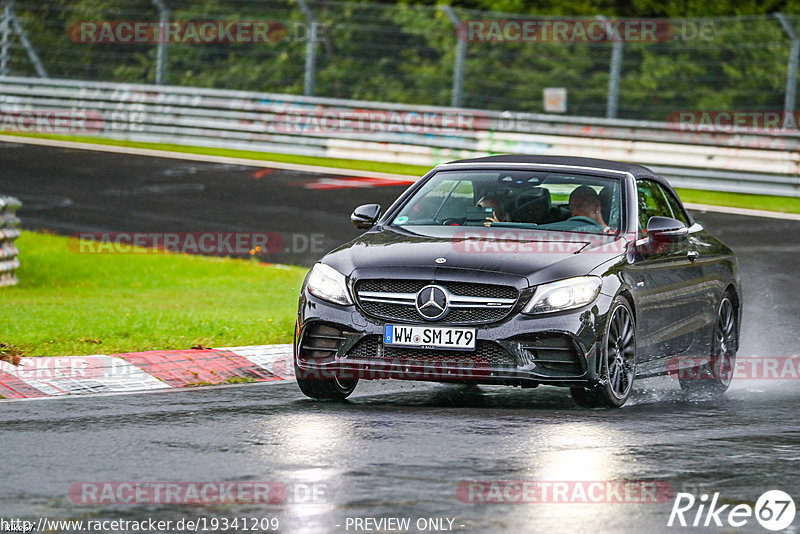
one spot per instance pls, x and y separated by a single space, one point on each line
406 52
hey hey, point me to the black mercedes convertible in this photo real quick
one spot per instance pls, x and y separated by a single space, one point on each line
524 270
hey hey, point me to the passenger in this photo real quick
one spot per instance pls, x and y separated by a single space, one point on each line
584 203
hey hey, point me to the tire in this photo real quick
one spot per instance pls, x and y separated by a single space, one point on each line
316 387
618 365
714 377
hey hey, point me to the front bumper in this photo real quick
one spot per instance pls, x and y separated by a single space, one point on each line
556 349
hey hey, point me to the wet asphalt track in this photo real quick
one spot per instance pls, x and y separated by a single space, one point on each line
396 449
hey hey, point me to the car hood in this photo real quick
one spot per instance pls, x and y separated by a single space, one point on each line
538 256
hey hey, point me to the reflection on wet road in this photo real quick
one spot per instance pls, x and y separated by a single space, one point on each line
401 449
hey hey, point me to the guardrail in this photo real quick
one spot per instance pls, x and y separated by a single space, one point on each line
766 163
9 231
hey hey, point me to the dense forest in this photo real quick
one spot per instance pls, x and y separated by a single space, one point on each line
719 55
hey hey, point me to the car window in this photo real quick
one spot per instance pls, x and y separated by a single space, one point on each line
677 209
440 200
652 202
530 199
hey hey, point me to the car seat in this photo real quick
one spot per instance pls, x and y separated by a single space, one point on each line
531 206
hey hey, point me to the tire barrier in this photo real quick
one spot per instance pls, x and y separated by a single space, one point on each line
9 232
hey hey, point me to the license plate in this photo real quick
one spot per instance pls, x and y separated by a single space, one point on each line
429 337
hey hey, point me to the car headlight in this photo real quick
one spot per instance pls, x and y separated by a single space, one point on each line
564 295
328 284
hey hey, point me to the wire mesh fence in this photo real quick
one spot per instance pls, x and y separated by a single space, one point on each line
412 54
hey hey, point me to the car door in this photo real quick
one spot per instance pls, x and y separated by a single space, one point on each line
666 283
704 266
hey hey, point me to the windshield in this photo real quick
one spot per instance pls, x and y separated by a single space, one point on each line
518 199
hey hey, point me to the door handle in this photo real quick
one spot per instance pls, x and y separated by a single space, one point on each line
693 255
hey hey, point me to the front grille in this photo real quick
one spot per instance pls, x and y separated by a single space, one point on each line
467 289
393 300
552 352
395 312
372 348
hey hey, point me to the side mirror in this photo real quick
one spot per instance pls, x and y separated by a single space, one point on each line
364 217
666 230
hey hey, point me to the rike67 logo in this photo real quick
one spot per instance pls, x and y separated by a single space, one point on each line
774 510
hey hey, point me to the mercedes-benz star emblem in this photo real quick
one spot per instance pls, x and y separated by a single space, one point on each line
432 302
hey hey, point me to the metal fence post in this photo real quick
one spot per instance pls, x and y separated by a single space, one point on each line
311 49
461 55
5 48
161 55
791 75
614 72
613 80
23 38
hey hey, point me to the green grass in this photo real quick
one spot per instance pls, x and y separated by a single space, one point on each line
742 200
738 200
68 303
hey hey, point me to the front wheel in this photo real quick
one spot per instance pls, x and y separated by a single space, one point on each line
618 367
324 388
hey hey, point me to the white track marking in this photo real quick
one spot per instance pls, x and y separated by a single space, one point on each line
82 375
277 359
101 374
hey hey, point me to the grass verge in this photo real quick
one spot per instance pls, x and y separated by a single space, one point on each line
717 198
76 304
741 200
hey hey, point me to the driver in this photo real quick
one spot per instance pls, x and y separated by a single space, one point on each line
498 214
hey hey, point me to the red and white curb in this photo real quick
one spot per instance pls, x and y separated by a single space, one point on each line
141 371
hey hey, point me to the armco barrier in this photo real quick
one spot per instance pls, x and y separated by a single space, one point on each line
9 231
767 163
